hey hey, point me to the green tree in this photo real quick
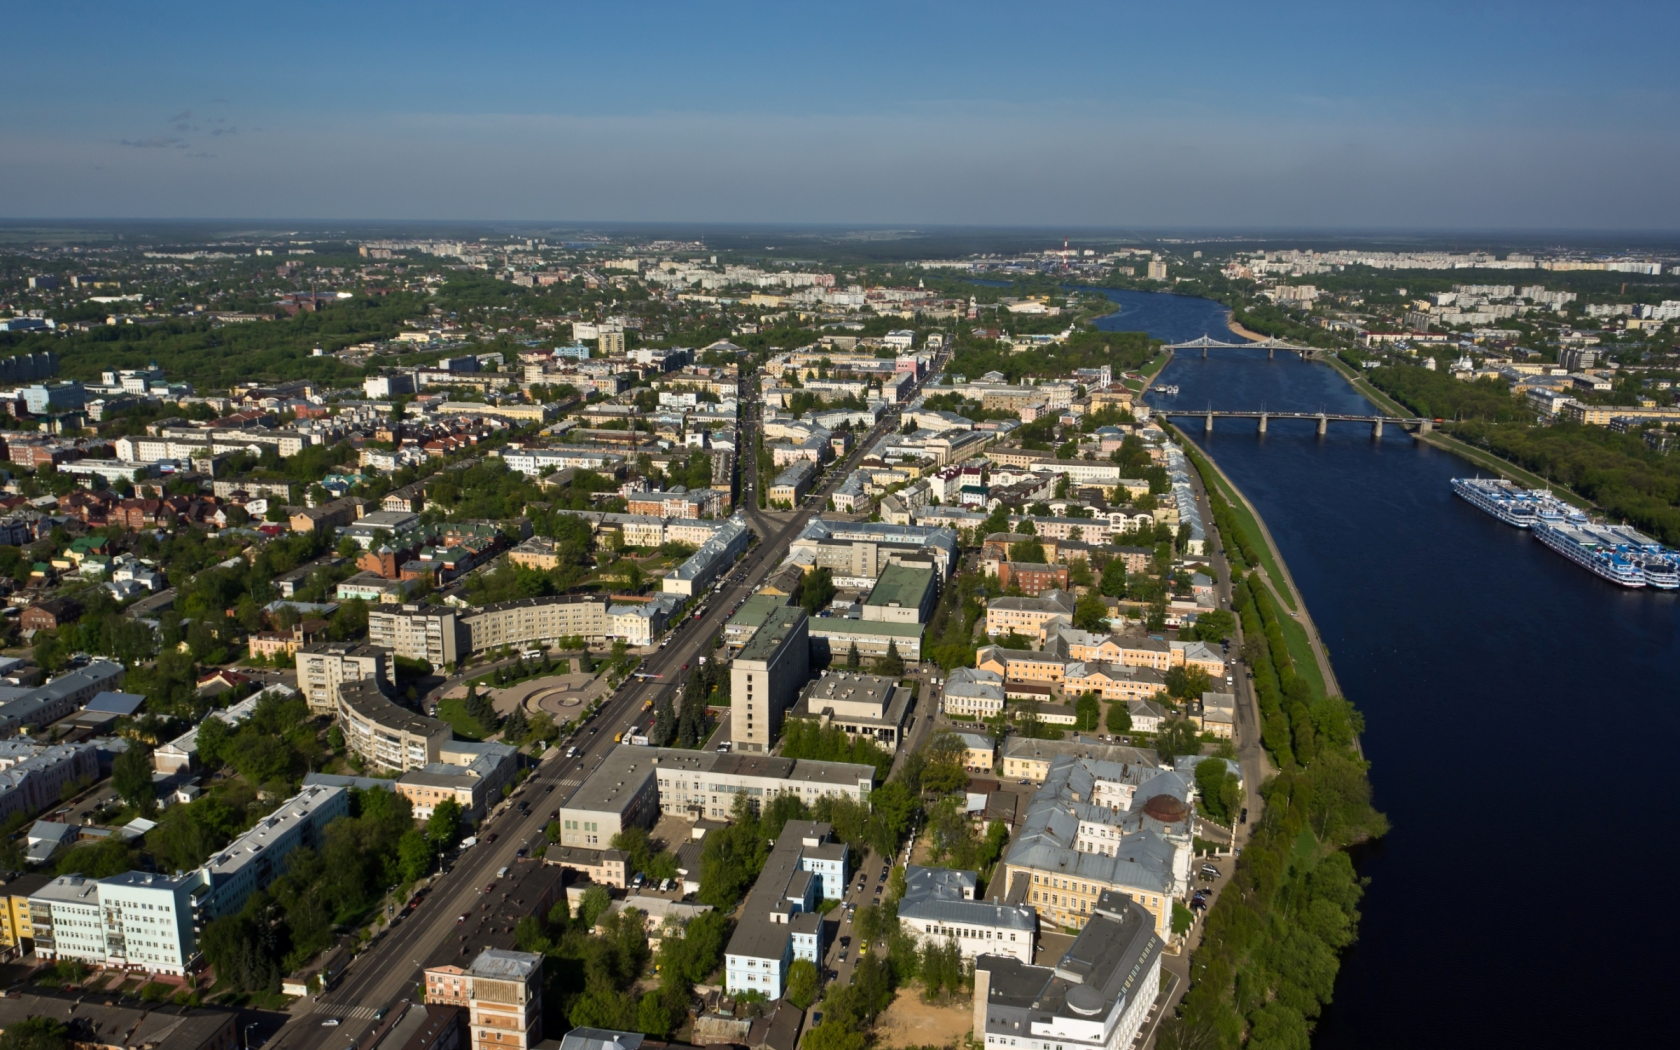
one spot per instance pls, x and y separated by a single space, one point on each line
36 1033
1219 790
1178 736
131 778
817 589
1087 712
652 1017
1215 625
1113 583
1119 717
212 736
1090 613
801 983
891 665
1187 683
595 901
1027 551
944 772
415 854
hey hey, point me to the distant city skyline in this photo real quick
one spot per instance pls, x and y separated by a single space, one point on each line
1538 116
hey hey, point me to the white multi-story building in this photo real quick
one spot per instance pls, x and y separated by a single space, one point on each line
416 632
715 556
1096 997
148 921
634 785
324 667
67 921
256 858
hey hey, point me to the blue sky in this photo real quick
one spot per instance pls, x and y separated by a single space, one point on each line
1352 115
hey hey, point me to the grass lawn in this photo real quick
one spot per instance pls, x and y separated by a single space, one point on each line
454 711
1257 538
1300 650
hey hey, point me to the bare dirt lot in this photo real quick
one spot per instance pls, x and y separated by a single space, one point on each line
911 1022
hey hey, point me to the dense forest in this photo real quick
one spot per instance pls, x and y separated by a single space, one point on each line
1630 481
1437 395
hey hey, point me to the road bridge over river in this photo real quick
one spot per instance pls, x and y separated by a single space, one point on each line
1417 425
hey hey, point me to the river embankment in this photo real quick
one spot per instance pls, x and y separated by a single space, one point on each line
1476 657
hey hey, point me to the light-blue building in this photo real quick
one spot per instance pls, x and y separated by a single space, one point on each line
50 399
780 922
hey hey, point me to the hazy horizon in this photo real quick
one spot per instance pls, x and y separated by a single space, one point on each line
1220 116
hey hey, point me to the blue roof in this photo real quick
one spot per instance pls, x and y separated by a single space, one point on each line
116 703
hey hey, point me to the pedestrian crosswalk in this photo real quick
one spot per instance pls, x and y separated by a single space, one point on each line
363 1013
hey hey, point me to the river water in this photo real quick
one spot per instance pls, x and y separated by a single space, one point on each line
1521 718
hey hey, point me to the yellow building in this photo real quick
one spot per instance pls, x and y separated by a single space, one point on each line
1021 665
17 936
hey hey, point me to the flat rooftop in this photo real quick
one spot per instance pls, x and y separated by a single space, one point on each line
778 624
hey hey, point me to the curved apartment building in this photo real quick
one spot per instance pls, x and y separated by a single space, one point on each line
384 733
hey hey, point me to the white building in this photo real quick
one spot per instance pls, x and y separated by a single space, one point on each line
938 905
1097 996
714 557
974 692
256 858
148 921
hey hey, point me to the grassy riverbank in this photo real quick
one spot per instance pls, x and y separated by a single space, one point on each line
1251 549
1268 960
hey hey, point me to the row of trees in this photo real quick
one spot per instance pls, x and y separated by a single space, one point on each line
804 738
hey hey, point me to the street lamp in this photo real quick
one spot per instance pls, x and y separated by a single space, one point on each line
246 1036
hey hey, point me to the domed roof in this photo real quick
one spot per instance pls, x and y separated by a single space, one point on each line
1084 1000
1166 809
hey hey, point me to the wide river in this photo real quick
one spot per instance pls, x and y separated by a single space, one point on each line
1521 719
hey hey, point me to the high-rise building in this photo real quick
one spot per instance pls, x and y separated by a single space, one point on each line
766 677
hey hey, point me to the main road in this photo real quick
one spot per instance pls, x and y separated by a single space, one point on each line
390 971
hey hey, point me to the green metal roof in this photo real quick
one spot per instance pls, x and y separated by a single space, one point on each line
903 585
756 609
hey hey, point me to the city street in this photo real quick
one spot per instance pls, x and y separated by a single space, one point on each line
390 970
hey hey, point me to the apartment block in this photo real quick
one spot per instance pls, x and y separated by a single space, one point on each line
527 620
780 922
324 667
385 733
633 786
416 632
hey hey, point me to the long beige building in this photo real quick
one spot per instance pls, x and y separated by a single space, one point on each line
527 620
633 786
